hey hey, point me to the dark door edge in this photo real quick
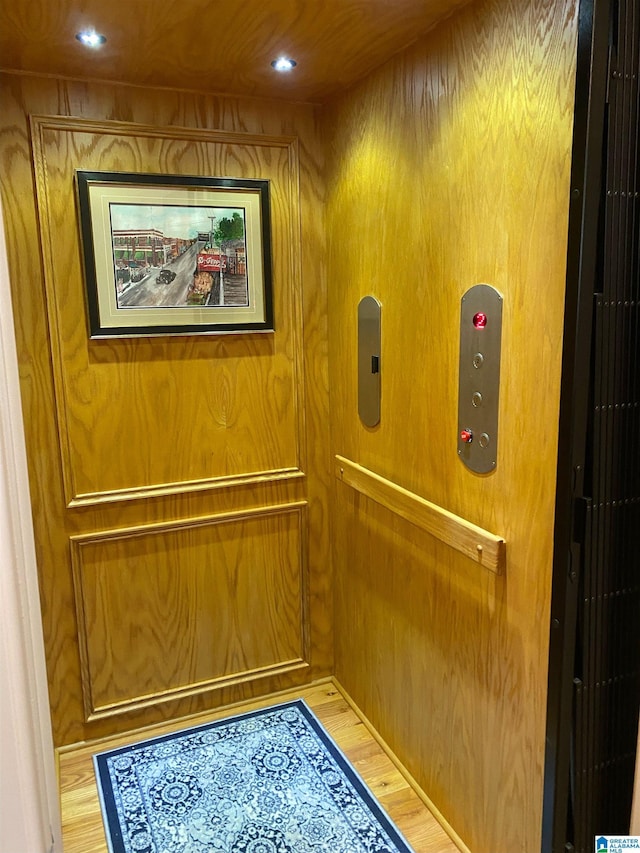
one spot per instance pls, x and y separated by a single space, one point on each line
586 175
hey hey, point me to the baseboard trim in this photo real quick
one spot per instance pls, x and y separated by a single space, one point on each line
437 814
199 718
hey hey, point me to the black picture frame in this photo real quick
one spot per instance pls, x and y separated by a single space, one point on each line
175 254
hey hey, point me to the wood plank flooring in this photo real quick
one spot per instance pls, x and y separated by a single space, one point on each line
82 821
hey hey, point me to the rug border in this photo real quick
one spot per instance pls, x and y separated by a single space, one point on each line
357 780
105 792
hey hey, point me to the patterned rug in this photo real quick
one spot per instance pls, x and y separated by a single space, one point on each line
270 781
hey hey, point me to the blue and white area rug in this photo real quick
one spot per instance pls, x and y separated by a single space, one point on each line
270 781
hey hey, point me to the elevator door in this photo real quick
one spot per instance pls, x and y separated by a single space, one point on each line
607 673
597 599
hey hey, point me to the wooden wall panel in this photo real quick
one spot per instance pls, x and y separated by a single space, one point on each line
259 405
446 168
191 410
183 607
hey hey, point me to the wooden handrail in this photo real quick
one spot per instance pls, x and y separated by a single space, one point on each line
479 545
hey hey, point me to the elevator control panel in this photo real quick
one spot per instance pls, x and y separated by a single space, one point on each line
369 361
479 378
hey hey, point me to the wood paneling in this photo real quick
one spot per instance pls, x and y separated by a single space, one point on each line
450 167
179 608
83 830
159 431
189 44
233 398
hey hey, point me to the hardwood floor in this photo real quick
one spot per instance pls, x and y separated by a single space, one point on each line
82 821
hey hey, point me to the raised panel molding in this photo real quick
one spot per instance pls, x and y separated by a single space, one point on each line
242 419
180 608
257 478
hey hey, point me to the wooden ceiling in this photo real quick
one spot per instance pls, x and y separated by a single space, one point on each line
216 46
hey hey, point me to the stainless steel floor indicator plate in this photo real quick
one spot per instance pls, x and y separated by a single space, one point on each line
479 378
369 361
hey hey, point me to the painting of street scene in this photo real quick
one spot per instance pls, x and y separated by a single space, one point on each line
173 256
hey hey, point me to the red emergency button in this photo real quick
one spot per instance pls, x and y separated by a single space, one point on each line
467 436
480 320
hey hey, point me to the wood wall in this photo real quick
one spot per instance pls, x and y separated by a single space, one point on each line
447 168
179 484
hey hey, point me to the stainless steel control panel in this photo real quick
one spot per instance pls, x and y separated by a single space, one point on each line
479 377
369 361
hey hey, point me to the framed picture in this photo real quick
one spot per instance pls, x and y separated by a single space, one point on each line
170 255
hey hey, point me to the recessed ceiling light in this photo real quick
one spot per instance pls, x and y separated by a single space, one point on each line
91 38
283 64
